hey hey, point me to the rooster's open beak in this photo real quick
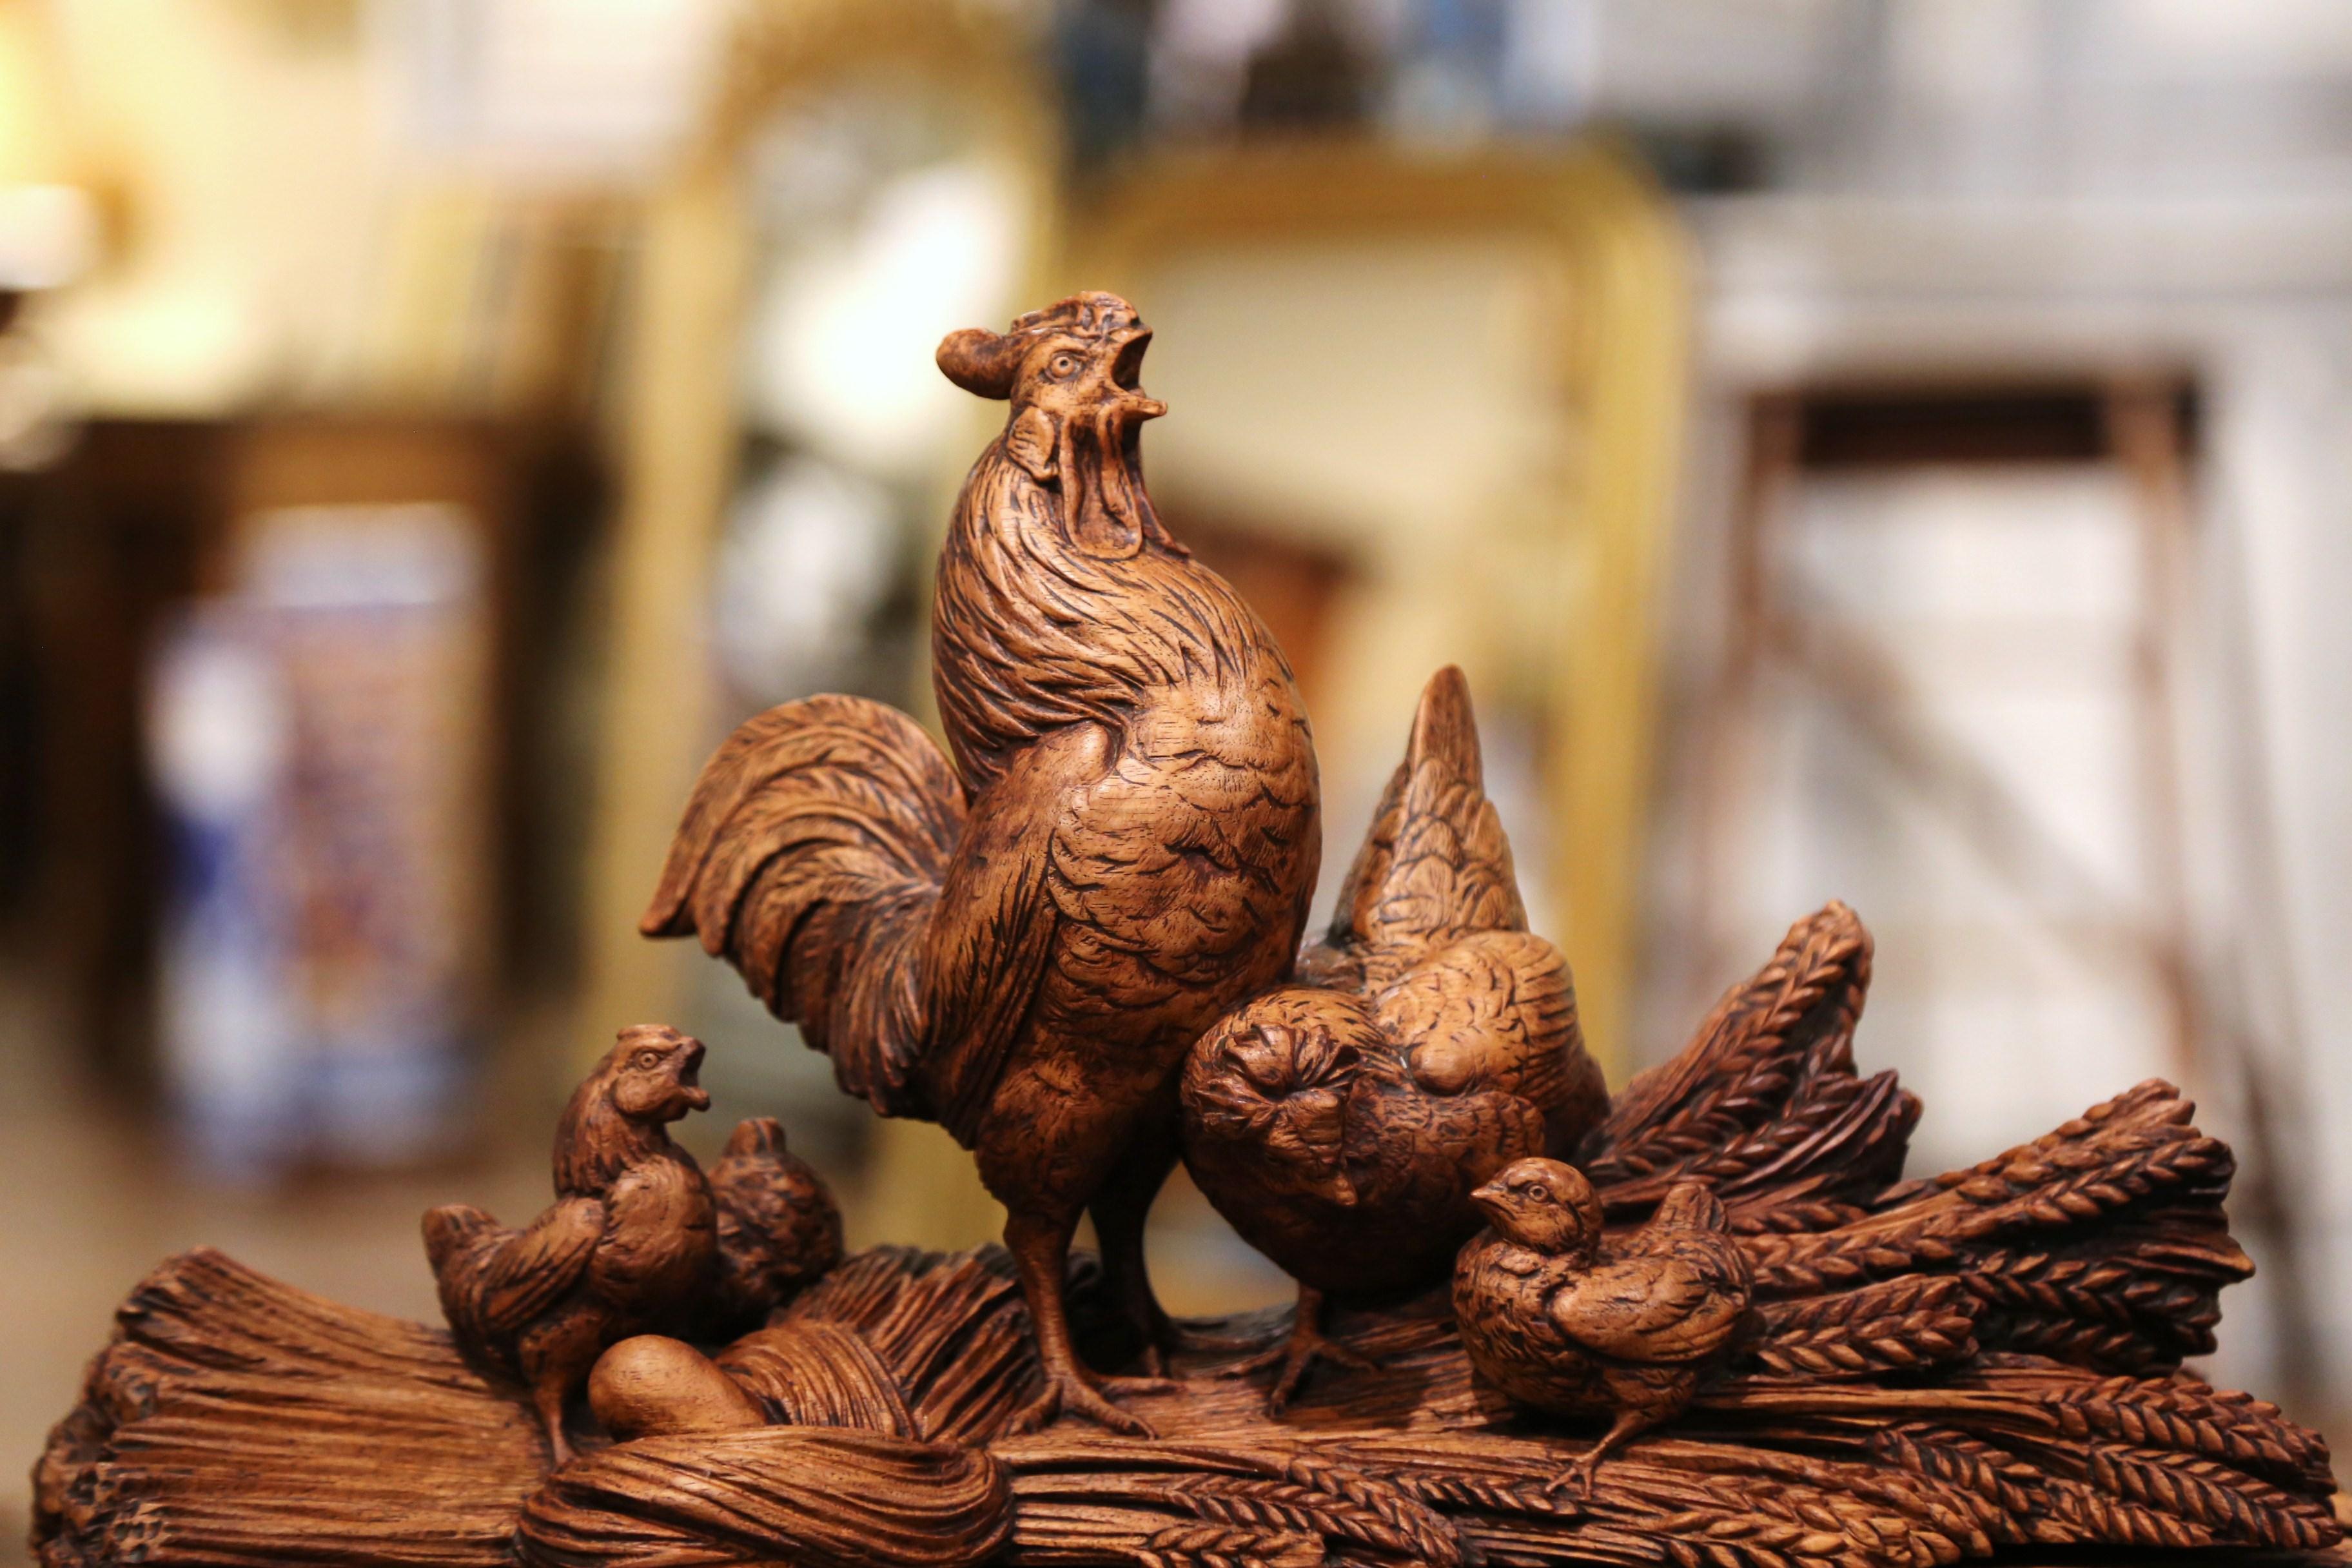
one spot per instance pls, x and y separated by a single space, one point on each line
1127 375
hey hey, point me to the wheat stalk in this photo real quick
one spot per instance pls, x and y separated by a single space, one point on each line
1975 1468
2191 1418
1746 1061
1223 1546
2232 1504
1902 1325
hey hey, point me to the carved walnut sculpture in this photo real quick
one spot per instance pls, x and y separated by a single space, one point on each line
1072 939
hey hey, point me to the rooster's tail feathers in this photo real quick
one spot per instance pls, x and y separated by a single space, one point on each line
810 858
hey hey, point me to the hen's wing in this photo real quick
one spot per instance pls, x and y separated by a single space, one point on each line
534 1268
1436 863
1687 1206
1680 1302
1766 1097
1675 1291
810 858
1496 1010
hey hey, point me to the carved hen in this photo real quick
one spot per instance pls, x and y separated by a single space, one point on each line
779 1228
1021 942
1564 1323
1340 1123
626 1246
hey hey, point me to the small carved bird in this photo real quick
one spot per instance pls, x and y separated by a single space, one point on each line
779 1228
1340 1123
627 1245
1564 1324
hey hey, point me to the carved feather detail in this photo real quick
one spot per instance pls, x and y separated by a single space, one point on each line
811 854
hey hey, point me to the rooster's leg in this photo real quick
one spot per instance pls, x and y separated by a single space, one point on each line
1041 1251
1297 1351
1120 1211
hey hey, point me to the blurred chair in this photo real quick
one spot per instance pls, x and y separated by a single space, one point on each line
1999 679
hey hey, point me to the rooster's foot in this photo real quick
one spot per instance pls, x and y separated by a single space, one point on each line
1296 1353
1068 1393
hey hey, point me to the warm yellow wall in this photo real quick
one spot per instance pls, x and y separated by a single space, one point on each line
237 155
32 142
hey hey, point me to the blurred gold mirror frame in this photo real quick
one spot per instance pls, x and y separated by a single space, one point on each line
1599 492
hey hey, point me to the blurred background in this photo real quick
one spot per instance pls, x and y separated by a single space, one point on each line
1887 449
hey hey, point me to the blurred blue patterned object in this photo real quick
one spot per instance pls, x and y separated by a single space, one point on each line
317 744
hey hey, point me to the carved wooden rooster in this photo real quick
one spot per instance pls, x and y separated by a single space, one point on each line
1561 1323
1022 945
1340 1123
626 1246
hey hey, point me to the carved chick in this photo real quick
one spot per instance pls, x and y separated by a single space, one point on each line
1021 937
1341 1123
1564 1323
627 1245
779 1228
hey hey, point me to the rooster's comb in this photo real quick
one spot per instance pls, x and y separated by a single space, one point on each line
985 362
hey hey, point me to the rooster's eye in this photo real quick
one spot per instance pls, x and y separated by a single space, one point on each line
1063 365
1540 1195
649 1058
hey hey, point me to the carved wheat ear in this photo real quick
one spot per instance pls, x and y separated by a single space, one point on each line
1764 1103
980 362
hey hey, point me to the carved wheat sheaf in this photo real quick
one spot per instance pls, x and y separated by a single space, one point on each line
237 1423
1766 1103
1974 1365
